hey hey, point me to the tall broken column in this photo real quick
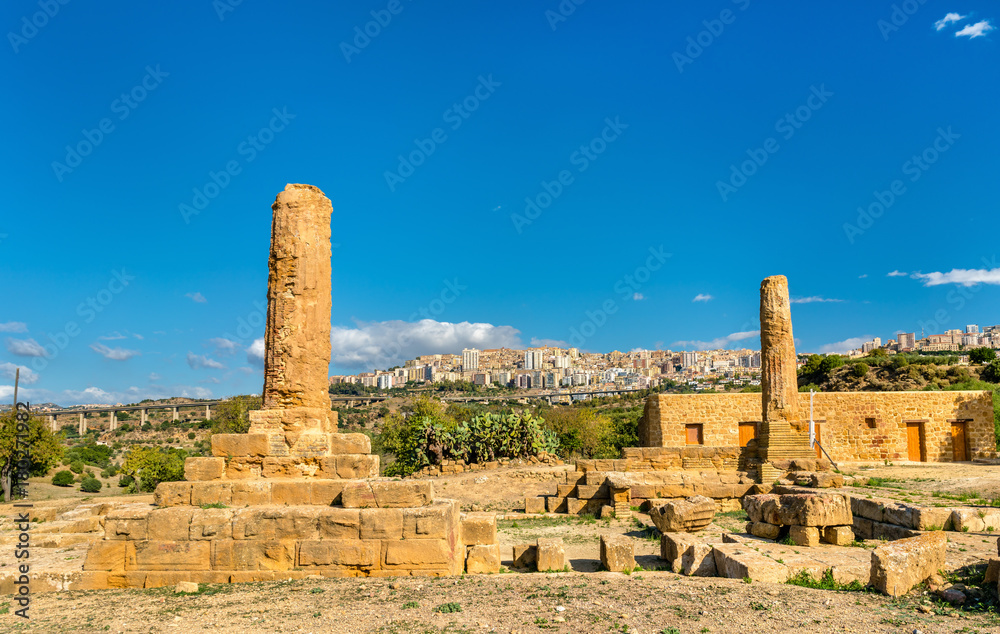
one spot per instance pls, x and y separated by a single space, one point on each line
784 434
296 398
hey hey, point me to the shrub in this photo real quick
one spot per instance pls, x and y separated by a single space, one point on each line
125 480
232 416
150 466
991 373
90 485
192 435
63 479
76 467
860 370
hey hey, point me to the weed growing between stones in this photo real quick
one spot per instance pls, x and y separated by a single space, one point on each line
826 582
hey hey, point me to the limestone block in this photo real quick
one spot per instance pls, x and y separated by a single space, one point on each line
838 535
383 524
354 466
269 523
432 522
211 493
566 490
252 554
753 505
575 506
555 504
826 480
167 555
211 524
326 492
172 494
869 509
808 510
108 556
242 445
358 495
204 468
354 553
251 493
311 443
975 520
803 464
290 467
764 530
606 512
900 514
525 556
933 518
534 504
900 565
483 559
692 514
550 554
804 535
127 524
350 443
992 571
673 546
417 553
479 528
403 494
170 524
244 468
617 553
863 528
340 523
291 492
891 532
737 561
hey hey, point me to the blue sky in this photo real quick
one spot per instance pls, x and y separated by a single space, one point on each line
501 174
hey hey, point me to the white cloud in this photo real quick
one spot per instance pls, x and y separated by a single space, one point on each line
9 371
25 347
718 343
196 297
702 297
813 299
862 276
14 326
979 29
897 274
197 361
114 336
255 353
97 395
846 345
387 343
114 354
153 377
965 277
638 297
223 345
549 343
948 19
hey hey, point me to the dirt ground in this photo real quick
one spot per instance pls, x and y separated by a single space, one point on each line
583 600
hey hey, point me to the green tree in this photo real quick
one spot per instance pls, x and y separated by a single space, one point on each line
149 466
46 452
991 373
232 416
90 485
860 369
63 479
982 355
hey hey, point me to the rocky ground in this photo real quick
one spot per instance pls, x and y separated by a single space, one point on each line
583 600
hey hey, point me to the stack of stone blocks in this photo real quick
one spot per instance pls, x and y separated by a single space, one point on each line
805 518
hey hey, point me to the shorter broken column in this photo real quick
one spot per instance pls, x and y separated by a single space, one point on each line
684 516
617 553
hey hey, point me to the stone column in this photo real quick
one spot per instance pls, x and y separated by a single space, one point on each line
112 421
82 429
784 435
296 398
176 413
208 412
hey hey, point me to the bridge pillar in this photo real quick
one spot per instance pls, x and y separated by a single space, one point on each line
176 411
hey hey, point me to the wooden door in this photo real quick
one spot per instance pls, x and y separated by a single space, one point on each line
748 431
958 441
817 427
694 436
913 441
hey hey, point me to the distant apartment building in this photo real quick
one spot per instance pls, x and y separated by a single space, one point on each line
972 329
689 359
533 359
906 341
384 381
470 359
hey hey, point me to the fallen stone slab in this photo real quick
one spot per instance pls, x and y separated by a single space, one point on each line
737 561
804 535
692 514
808 510
550 554
826 480
525 556
763 529
900 565
838 535
753 505
687 555
975 520
617 553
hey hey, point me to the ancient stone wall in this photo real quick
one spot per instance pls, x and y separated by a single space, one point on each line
846 431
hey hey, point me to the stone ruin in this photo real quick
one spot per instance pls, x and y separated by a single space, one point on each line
293 497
